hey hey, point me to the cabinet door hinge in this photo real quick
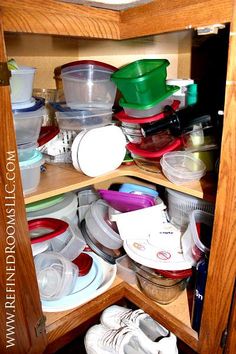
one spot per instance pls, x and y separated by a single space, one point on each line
5 74
40 326
224 338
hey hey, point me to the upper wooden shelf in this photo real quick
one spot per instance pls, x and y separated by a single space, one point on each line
63 178
69 19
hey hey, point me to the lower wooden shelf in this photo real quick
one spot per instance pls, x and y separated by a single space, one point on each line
63 327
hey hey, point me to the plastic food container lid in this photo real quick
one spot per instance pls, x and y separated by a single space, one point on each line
175 274
170 90
125 202
36 159
99 150
138 189
46 228
177 143
23 105
107 254
23 70
39 103
66 67
45 203
84 262
123 117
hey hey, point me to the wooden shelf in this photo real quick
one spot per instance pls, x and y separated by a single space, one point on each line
175 315
60 179
68 19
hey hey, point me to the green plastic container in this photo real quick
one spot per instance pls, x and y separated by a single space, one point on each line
142 81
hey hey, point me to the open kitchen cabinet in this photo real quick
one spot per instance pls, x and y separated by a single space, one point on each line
22 306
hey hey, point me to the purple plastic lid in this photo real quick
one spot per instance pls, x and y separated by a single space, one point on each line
125 202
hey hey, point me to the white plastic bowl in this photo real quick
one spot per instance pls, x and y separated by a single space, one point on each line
21 83
182 167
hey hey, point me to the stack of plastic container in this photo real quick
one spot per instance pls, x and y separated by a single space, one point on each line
89 95
28 115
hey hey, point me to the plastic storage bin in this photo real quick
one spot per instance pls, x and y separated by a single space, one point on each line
30 172
21 82
142 81
180 206
182 167
87 84
159 288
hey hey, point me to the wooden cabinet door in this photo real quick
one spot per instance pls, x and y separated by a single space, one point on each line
21 315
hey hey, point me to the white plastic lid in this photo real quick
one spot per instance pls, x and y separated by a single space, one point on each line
99 150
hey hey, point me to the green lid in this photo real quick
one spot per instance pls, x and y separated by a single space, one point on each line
45 203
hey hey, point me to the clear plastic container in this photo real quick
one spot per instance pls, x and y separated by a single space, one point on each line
182 167
199 139
150 109
180 205
87 84
196 240
56 275
126 269
99 226
28 125
30 172
83 119
21 82
69 244
159 288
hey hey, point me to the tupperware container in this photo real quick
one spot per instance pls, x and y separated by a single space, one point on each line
125 202
138 189
181 94
26 151
21 82
126 269
87 85
99 226
30 172
180 205
59 207
182 167
28 122
107 254
196 240
142 81
56 275
149 159
199 139
99 150
85 198
161 289
151 108
83 119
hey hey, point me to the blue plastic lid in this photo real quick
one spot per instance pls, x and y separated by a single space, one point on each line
39 103
36 158
138 189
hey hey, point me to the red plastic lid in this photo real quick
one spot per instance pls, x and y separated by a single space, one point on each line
92 62
84 262
57 226
123 117
47 134
175 274
177 143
